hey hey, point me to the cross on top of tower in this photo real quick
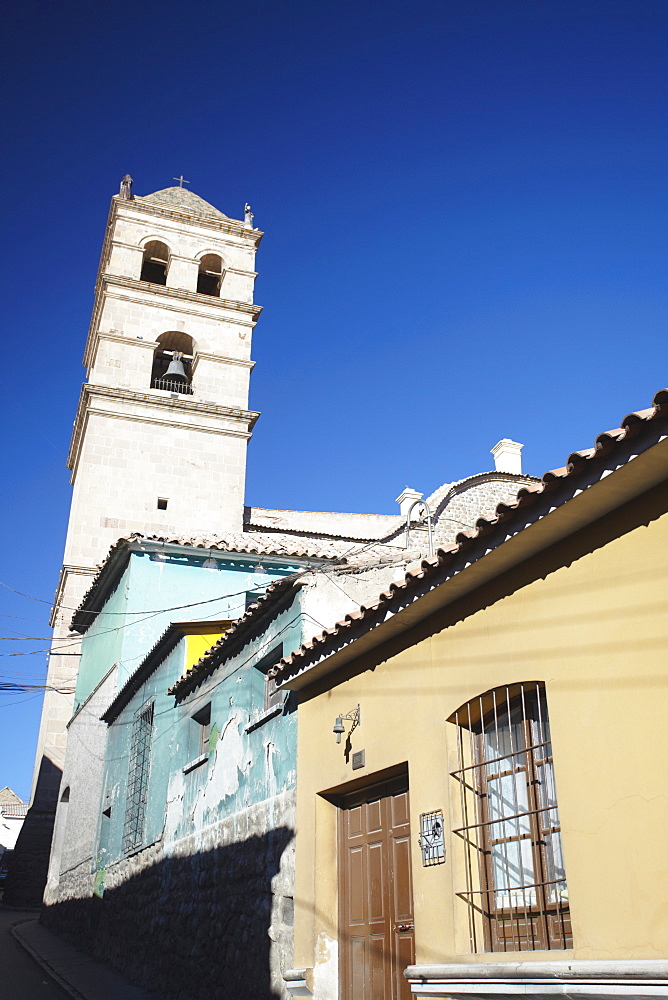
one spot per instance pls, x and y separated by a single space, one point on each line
181 180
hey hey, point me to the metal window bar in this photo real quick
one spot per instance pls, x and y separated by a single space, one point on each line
431 839
140 748
510 829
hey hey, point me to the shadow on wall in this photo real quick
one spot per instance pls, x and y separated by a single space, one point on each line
30 861
195 926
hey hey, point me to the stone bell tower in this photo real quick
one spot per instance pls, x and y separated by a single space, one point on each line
160 436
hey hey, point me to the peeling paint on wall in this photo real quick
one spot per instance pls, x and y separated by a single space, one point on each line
223 776
174 810
326 968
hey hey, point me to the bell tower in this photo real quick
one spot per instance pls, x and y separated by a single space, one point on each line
160 436
161 431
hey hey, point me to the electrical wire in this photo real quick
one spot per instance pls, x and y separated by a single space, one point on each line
354 548
59 646
69 641
271 641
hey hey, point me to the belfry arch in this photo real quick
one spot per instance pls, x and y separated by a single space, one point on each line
155 263
172 362
210 274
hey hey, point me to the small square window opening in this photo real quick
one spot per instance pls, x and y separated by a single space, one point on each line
272 697
162 503
202 719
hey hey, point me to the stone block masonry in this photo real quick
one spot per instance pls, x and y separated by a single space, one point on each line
135 442
208 915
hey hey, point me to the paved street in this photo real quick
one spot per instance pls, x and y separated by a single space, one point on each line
21 977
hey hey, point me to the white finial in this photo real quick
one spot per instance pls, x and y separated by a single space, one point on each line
406 498
508 457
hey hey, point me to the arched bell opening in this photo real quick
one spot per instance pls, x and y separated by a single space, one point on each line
172 363
155 263
210 274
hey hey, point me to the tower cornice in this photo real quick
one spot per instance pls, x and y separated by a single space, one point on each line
223 225
173 299
167 409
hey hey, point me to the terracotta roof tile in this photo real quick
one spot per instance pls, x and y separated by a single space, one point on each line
235 636
527 495
14 810
251 544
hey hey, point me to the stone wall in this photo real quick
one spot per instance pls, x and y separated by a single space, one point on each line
211 917
462 503
29 862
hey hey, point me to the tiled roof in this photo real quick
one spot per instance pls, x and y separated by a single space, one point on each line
254 544
577 465
237 634
182 200
14 810
168 641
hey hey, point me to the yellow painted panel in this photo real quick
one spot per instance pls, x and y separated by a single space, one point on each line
198 645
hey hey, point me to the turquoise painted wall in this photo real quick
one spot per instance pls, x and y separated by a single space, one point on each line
102 644
242 767
150 595
166 743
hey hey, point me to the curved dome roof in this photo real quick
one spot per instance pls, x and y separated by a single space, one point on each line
180 198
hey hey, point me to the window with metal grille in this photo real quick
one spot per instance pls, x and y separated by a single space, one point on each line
516 889
140 751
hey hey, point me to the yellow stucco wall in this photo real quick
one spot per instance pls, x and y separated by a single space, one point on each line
590 620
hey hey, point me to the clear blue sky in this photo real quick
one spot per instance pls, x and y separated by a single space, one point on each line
465 209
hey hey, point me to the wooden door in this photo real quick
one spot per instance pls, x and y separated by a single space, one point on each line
377 940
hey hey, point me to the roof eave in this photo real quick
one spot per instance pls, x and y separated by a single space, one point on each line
258 616
576 505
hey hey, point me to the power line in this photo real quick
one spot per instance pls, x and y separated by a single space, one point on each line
69 641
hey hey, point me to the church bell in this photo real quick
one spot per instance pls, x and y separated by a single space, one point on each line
176 372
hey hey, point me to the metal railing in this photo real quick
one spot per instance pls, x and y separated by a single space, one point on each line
168 385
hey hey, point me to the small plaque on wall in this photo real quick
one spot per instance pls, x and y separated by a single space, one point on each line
432 841
358 759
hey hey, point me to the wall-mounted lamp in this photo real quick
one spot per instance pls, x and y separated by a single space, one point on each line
259 568
210 563
339 728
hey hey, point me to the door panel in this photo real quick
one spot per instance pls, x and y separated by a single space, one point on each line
357 879
376 883
376 914
401 883
358 965
376 973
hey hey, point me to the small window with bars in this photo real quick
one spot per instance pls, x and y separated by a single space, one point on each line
140 758
516 891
